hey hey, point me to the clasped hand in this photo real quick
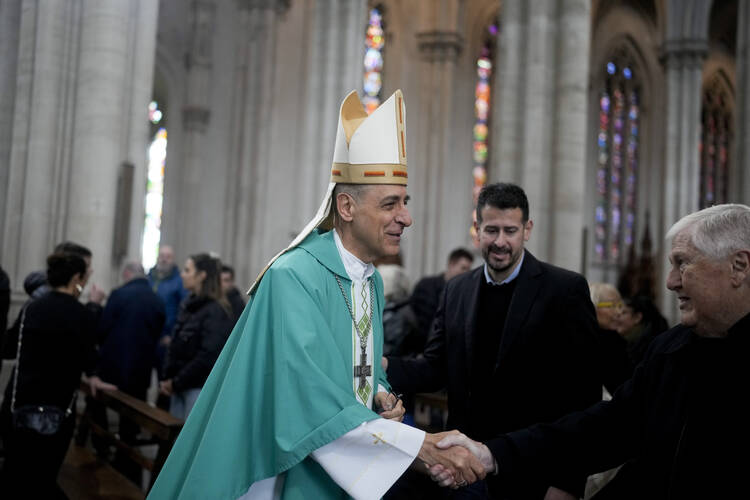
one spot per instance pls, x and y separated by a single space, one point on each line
452 459
468 460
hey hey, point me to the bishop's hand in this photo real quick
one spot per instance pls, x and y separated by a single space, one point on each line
460 466
444 476
389 406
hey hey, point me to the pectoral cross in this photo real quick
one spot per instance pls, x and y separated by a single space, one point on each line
362 370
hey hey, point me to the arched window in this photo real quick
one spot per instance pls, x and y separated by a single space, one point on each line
482 111
716 139
157 156
618 148
373 77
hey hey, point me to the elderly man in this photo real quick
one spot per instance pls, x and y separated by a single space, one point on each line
679 424
289 408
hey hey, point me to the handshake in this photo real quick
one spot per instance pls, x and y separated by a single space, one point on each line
454 460
451 458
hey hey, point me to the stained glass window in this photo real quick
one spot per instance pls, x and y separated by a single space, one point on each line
482 112
373 77
714 148
618 143
157 156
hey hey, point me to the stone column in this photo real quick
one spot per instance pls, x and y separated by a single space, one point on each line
111 93
40 127
539 117
742 113
683 52
190 218
10 23
567 213
253 113
430 115
335 48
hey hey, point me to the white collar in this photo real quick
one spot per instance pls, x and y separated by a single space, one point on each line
510 278
355 268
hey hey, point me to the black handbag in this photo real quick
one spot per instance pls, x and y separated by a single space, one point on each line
42 419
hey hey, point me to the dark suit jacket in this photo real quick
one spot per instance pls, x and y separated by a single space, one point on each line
424 301
130 327
545 367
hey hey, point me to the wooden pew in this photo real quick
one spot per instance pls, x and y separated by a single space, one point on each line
162 426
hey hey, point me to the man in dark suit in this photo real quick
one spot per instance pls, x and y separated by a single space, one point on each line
129 329
514 341
426 294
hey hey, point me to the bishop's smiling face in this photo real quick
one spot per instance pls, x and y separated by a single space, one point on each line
379 218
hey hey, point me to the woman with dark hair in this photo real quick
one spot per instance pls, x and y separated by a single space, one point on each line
203 325
55 346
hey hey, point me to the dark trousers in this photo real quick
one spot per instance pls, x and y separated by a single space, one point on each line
32 462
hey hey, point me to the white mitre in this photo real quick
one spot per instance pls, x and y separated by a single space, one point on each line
369 150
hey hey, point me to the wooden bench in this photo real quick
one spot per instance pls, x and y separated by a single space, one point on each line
82 461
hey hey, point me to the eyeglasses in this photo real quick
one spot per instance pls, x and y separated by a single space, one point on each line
617 304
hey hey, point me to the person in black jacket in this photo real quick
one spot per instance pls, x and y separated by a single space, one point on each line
56 346
515 341
234 297
679 424
424 299
129 329
203 326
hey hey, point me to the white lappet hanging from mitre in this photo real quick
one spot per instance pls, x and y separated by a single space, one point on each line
369 150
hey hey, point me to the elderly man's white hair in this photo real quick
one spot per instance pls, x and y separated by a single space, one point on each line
716 231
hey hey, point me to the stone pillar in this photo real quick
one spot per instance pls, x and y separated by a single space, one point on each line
567 213
539 117
10 22
683 52
40 135
190 217
335 47
430 115
251 120
111 97
742 113
82 83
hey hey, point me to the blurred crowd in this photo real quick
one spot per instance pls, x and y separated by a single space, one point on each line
164 329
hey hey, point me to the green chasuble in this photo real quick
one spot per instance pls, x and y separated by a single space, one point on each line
281 388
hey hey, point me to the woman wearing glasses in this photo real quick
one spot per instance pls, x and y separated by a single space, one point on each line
615 366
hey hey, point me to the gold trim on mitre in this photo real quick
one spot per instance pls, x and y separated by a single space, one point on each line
370 173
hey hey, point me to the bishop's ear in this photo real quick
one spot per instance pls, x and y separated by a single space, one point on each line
345 206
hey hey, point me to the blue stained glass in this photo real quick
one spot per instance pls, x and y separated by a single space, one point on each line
617 139
615 217
373 60
627 73
601 215
604 103
611 68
